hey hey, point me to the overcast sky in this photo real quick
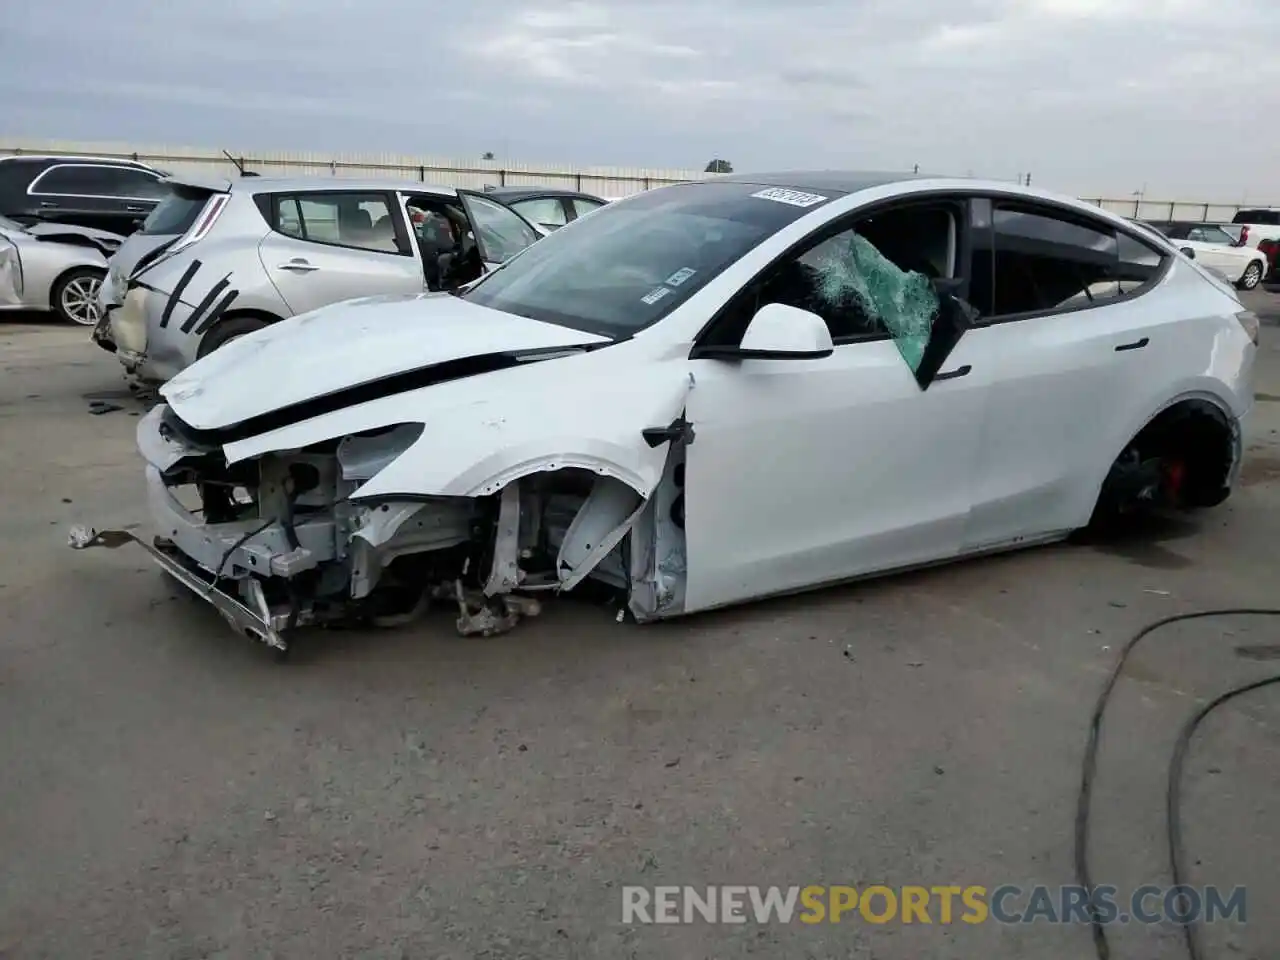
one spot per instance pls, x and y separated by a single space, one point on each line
1089 96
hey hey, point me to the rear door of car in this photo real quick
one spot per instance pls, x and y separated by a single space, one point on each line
1062 306
109 197
330 245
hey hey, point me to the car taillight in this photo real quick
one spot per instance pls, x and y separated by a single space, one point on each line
204 223
1249 320
1244 237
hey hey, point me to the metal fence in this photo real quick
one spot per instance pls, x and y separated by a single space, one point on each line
608 182
1173 209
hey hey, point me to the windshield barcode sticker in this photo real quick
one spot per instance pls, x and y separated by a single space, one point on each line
680 276
653 296
794 197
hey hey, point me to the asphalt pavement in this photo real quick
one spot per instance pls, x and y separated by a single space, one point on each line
171 792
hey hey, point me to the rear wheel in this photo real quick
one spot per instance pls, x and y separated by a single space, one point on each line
229 330
1252 276
74 297
1181 460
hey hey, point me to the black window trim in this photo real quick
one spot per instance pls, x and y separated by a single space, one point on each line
1078 218
33 192
272 216
963 257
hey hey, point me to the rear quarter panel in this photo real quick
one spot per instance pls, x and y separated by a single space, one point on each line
1197 350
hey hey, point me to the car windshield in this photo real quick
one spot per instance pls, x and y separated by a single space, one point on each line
11 225
629 264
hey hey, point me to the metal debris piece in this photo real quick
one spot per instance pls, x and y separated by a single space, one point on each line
488 617
82 538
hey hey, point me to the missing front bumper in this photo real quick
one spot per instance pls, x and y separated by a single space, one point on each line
253 617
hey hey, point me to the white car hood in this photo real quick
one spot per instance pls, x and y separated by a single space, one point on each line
347 344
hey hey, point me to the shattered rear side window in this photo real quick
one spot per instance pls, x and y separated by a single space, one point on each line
902 302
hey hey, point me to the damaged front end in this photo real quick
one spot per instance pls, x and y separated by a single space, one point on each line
288 538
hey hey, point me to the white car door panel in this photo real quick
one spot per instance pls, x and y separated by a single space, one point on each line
310 275
1058 390
1218 257
811 471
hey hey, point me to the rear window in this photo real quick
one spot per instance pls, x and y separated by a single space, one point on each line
176 213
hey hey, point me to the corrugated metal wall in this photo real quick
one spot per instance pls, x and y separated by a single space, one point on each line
602 181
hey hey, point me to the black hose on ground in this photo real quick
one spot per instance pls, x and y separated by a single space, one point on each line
1173 796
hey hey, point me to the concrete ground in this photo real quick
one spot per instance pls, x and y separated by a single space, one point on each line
170 792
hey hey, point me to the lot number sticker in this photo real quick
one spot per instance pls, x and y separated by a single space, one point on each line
793 197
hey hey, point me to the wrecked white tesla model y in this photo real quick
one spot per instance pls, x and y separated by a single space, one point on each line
700 395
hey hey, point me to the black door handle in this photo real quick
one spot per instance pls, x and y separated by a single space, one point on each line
1136 345
953 374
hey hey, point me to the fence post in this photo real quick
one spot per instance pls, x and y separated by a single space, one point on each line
1205 215
422 174
1171 205
502 178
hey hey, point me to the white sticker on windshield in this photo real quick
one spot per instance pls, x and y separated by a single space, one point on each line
680 276
794 197
653 296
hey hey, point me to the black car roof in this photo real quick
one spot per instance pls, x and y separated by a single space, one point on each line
842 181
525 192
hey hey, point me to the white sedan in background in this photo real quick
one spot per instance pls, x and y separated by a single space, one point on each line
1216 248
701 395
52 268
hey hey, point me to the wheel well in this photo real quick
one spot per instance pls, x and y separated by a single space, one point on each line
57 281
1198 434
245 313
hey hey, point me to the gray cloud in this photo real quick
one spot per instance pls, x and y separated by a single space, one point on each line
1089 95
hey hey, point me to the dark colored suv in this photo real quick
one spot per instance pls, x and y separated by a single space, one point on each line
97 192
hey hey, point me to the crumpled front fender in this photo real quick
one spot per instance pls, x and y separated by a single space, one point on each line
476 448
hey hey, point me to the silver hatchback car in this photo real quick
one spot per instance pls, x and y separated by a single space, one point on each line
219 259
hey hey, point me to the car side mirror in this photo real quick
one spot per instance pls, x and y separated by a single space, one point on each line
778 332
1188 253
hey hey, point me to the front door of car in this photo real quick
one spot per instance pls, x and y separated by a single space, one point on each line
810 470
498 232
1073 354
327 246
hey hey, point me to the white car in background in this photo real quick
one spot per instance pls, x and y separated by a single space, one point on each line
1214 247
704 394
50 267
